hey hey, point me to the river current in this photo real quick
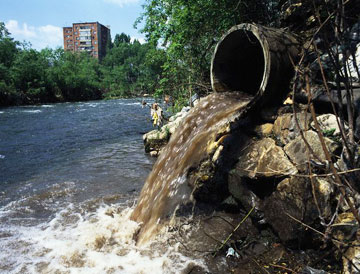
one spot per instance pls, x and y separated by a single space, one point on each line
70 175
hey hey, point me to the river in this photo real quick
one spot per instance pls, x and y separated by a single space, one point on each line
70 175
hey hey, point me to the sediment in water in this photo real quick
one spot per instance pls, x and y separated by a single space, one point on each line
168 186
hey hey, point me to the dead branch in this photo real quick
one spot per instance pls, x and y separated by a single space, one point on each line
232 233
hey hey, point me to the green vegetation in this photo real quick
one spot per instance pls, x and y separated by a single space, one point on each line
189 31
28 76
175 61
181 36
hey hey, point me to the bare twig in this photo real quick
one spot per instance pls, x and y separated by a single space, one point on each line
328 157
311 228
283 267
232 233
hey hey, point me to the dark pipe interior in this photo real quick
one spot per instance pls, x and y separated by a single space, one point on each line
239 62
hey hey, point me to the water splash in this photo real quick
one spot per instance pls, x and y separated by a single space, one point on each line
95 242
167 185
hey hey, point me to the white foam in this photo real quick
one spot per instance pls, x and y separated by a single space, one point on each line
2 112
99 242
2 156
47 106
32 111
130 104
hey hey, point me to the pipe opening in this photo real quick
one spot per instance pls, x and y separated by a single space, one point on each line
239 63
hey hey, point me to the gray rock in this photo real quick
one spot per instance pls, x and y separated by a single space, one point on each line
345 229
286 128
257 160
294 196
155 140
230 205
246 197
298 151
327 123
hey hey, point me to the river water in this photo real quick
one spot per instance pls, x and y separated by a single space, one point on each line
70 175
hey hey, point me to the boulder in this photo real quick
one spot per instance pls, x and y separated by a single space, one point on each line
257 160
345 230
264 129
323 191
286 128
155 140
328 124
248 199
298 151
294 197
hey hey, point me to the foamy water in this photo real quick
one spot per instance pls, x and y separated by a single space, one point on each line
97 242
32 111
68 183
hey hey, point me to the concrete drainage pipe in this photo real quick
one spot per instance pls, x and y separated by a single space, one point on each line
255 60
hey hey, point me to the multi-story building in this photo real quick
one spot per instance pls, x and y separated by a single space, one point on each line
91 37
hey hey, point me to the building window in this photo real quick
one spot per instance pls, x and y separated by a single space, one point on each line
75 33
95 42
94 32
77 38
95 52
76 43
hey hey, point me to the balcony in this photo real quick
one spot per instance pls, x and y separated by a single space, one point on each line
85 38
84 32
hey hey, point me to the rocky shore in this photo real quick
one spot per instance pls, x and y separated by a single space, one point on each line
274 166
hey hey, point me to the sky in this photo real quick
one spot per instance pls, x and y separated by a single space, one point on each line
40 22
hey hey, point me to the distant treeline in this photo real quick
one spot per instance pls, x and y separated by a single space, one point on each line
28 76
181 36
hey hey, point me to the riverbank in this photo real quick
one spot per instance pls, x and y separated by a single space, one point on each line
261 170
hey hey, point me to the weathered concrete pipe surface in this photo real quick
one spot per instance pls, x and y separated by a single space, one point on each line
255 59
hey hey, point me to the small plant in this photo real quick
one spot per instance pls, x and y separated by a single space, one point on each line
329 132
167 132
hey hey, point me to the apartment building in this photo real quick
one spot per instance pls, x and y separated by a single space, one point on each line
91 37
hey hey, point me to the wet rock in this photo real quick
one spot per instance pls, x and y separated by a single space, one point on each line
230 205
264 129
328 124
345 229
286 128
154 153
257 160
248 199
217 154
323 191
298 151
294 197
155 140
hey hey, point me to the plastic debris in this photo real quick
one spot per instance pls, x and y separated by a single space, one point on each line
232 253
310 270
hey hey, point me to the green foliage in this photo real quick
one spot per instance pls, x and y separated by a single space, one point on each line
189 31
329 132
28 76
131 68
175 61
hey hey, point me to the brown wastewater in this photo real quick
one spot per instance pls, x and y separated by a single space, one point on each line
251 69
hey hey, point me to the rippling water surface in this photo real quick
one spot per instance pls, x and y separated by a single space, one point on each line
69 176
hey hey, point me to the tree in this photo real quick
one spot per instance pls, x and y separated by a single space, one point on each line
189 30
121 38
